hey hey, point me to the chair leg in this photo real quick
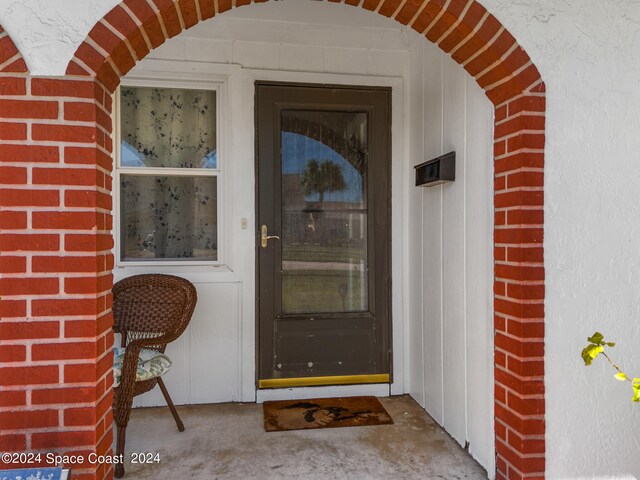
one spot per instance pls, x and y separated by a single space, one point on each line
119 473
172 407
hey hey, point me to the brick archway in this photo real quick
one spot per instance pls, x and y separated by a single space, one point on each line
57 219
10 58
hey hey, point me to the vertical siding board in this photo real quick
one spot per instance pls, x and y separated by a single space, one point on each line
453 230
432 238
415 246
210 339
479 261
216 333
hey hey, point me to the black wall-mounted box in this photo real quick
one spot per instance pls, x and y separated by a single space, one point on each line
436 171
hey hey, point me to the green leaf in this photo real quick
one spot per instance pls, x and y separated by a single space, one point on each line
611 344
620 376
596 338
585 355
590 352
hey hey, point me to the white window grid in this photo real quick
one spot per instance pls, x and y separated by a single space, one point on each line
219 172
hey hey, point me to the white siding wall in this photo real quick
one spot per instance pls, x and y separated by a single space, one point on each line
450 244
205 357
441 236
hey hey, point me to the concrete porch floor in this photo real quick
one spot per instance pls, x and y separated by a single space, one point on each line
228 441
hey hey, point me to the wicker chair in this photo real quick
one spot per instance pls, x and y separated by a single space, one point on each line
149 311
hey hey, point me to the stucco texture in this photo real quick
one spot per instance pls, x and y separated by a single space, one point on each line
587 53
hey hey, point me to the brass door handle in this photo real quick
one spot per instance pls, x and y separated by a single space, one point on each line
264 237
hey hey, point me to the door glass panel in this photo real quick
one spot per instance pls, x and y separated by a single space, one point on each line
324 211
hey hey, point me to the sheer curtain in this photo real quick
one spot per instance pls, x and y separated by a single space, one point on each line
167 214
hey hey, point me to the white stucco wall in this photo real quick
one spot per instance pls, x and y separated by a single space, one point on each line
587 52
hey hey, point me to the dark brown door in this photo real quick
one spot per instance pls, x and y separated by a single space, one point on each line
323 174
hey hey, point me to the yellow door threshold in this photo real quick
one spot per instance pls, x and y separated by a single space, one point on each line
318 381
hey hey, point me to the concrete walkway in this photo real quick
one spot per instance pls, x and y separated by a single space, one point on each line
228 441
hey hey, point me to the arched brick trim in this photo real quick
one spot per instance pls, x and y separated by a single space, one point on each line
11 60
69 159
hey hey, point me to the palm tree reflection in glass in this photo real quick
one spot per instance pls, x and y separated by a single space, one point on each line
320 176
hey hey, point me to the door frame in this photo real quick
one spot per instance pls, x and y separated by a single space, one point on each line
401 177
380 283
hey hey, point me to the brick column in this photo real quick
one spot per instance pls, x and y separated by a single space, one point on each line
519 286
55 268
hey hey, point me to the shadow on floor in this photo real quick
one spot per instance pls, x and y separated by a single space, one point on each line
228 441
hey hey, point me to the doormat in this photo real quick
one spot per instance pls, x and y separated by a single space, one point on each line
324 413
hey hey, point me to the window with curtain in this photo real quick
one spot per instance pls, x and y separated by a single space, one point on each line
167 173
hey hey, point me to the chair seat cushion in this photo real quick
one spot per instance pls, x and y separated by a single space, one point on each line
151 364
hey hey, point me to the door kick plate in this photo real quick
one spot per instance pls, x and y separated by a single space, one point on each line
318 381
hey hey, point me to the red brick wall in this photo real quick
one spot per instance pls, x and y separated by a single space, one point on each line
55 266
56 221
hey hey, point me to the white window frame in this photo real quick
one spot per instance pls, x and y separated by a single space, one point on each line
221 172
